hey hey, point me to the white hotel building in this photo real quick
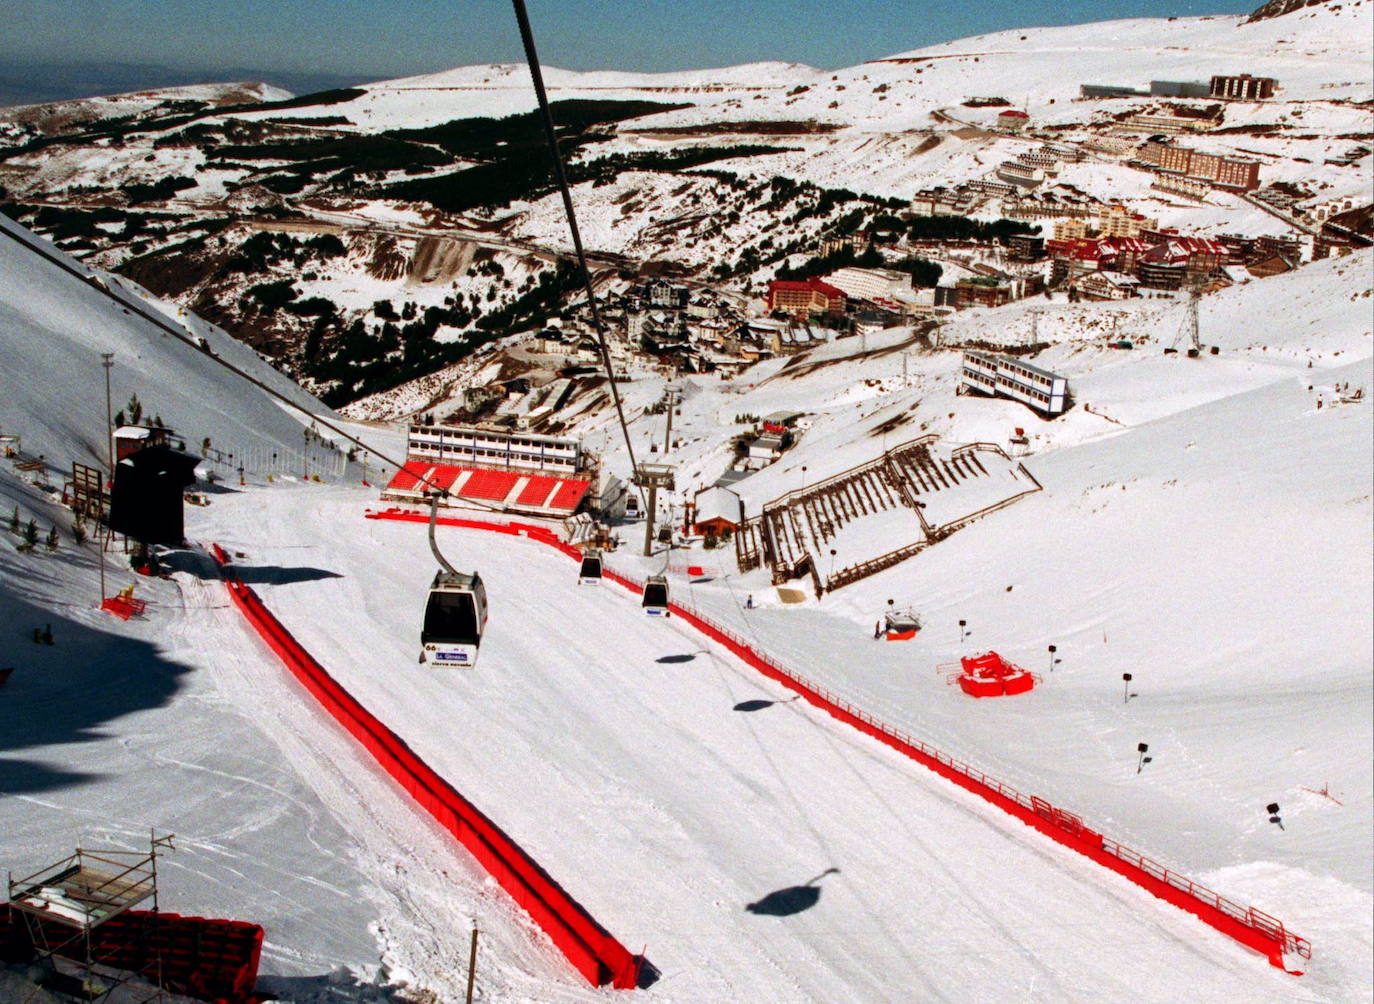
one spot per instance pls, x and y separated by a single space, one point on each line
448 444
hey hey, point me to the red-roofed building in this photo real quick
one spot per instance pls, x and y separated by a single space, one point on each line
1168 263
1084 251
1013 120
1120 254
803 297
1199 254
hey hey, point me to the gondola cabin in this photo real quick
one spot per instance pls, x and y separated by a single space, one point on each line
655 602
902 625
455 617
590 572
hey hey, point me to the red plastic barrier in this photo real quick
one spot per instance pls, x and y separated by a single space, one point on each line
1253 928
977 686
587 945
210 960
1018 683
124 607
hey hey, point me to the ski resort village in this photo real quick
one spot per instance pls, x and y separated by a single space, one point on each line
760 534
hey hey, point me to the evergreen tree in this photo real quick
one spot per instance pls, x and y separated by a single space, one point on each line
31 534
14 520
51 540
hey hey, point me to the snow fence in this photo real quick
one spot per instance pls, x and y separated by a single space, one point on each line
593 952
1252 928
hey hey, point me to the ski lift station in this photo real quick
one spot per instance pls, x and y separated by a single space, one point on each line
1003 376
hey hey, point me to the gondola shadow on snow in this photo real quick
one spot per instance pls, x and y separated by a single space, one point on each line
202 566
758 704
675 659
791 900
275 575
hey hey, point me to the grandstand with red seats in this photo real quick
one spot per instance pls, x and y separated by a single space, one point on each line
537 491
493 469
510 491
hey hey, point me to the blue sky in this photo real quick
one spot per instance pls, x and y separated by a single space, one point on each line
298 44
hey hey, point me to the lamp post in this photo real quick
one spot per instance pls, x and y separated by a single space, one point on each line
1126 679
1141 758
962 632
1053 660
1273 809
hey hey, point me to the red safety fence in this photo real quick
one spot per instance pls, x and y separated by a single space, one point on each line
1253 928
593 952
208 959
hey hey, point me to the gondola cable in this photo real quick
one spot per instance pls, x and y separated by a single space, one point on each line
561 176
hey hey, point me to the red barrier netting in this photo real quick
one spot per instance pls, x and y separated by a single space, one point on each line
1247 925
595 953
210 960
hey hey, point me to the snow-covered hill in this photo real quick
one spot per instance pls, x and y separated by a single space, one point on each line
1214 545
171 196
58 324
1318 53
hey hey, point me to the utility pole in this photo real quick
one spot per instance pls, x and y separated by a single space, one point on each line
106 360
472 965
670 400
1194 293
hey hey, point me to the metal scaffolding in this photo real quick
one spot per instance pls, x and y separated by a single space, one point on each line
63 904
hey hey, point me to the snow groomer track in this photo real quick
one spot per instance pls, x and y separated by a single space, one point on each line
747 847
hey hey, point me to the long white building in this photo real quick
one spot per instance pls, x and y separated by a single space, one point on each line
1004 376
452 444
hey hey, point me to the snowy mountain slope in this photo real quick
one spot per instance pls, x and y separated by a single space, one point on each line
654 764
1215 547
884 130
179 721
54 327
1319 53
183 723
1204 526
1220 555
86 111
